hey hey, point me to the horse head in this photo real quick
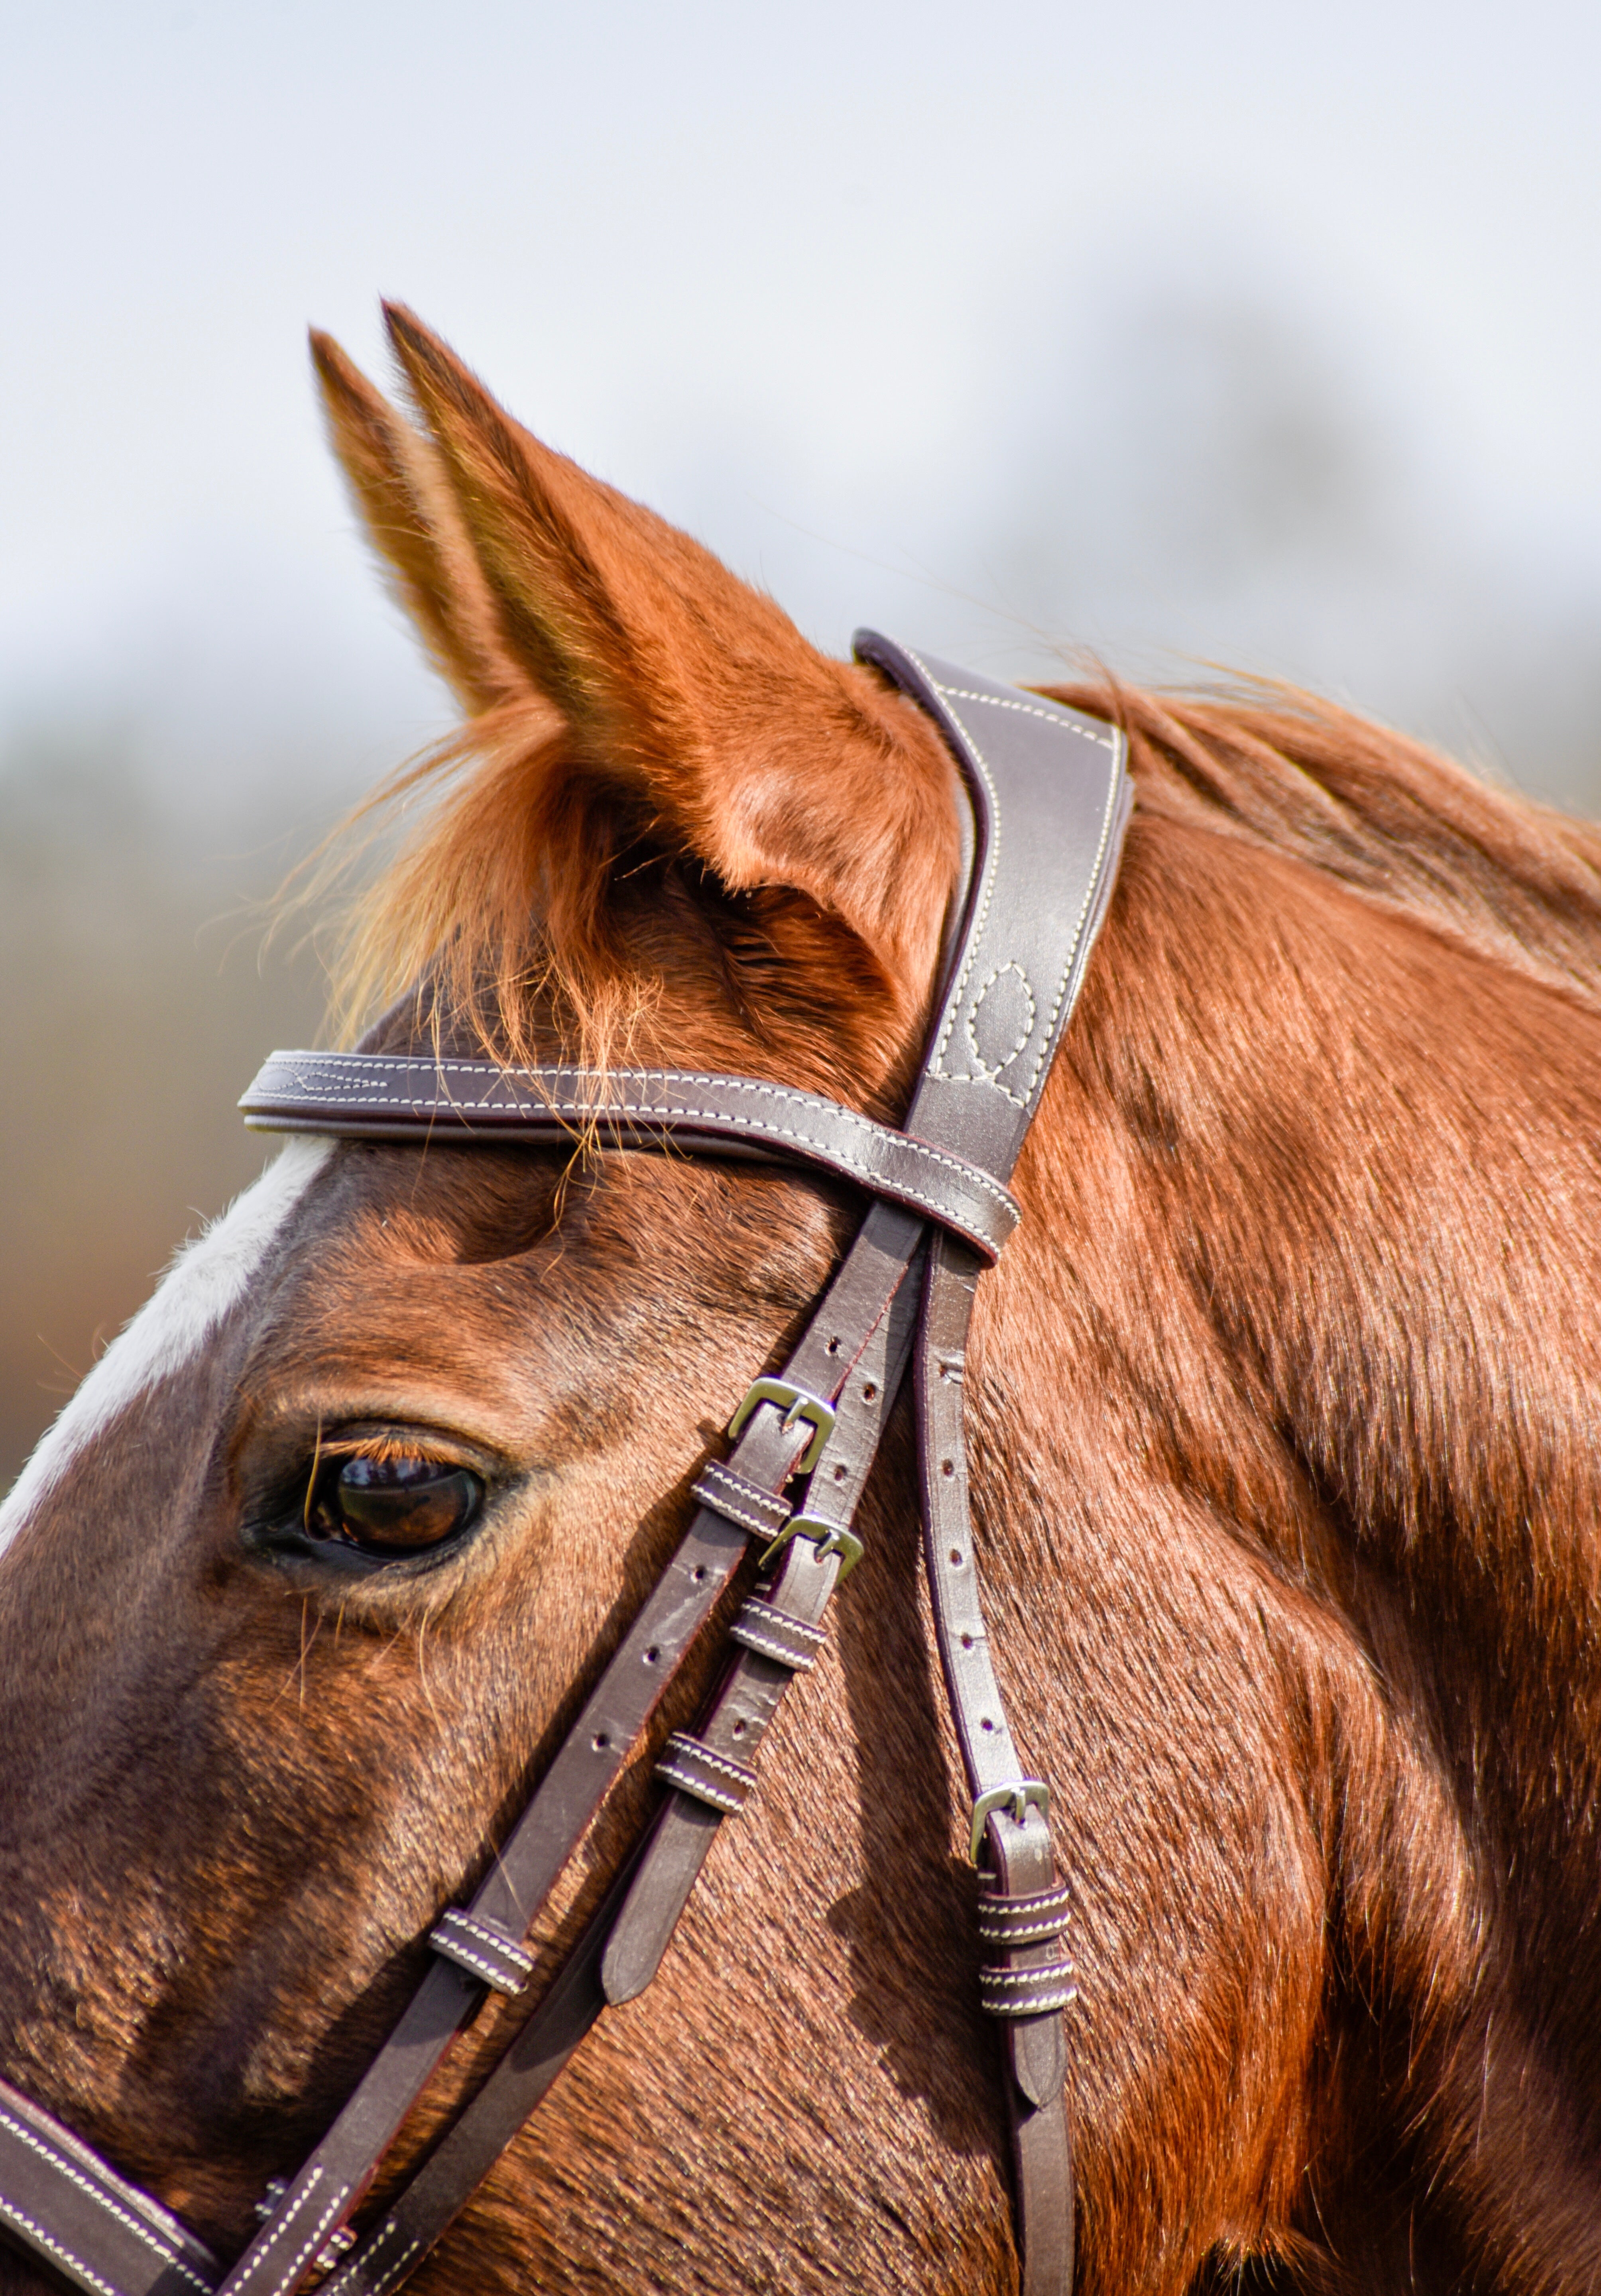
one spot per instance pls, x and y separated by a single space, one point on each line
1281 1489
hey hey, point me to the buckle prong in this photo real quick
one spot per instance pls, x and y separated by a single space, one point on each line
1017 1792
827 1537
797 1406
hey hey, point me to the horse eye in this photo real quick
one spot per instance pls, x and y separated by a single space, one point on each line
397 1506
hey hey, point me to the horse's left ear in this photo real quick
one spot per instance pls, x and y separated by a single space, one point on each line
770 763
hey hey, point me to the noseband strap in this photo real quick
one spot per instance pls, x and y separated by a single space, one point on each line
1050 799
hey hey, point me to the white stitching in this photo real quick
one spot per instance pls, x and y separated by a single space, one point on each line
699 1789
361 2263
725 1507
719 1474
779 1652
54 2248
696 1751
492 1972
992 871
315 2242
887 1183
1026 1933
489 1938
1028 710
920 1150
294 2207
991 1069
712 1497
955 692
754 1607
396 2268
141 2231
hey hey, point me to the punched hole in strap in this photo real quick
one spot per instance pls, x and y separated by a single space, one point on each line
484 1952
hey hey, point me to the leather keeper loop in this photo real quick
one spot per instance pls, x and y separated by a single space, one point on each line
1033 1991
711 1778
1032 1920
484 1952
740 1501
774 1634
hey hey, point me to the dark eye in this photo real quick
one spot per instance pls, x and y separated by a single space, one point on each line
396 1505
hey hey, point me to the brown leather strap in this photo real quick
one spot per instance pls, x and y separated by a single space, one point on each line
319 2200
786 1619
1022 954
710 1772
1038 886
1026 1983
58 2199
386 1097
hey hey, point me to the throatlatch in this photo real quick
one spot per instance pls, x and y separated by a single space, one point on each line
1050 799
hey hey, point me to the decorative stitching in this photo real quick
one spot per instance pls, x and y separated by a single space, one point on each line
293 2209
315 2242
905 1143
999 701
696 1749
396 2268
1022 1978
457 1917
42 2239
781 1653
1036 1933
991 862
493 1973
141 2231
351 2276
901 1143
701 1790
1052 716
712 1494
753 1607
692 1753
992 1070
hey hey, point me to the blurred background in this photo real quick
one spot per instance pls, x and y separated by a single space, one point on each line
1257 336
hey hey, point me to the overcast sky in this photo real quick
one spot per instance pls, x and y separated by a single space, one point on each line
1260 332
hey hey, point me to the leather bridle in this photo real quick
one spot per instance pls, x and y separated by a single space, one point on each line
1049 799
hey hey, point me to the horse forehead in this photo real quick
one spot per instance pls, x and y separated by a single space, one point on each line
205 1283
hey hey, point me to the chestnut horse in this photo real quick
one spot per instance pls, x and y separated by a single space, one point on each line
1283 1409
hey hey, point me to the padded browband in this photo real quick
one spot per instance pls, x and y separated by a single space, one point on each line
1026 932
374 1096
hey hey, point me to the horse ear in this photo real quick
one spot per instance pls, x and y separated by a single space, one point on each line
404 496
774 766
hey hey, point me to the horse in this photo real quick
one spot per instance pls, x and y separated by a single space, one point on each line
1285 1485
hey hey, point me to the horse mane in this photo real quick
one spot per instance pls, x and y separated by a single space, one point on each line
1382 814
505 893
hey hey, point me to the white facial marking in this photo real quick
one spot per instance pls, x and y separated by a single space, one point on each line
203 1282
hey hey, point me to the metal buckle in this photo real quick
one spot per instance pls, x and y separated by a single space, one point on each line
827 1537
1020 1793
796 1405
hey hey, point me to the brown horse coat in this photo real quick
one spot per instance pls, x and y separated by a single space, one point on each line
1283 1409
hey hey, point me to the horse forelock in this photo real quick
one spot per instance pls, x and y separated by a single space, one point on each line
205 1283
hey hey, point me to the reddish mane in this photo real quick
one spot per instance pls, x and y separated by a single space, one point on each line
1286 1486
